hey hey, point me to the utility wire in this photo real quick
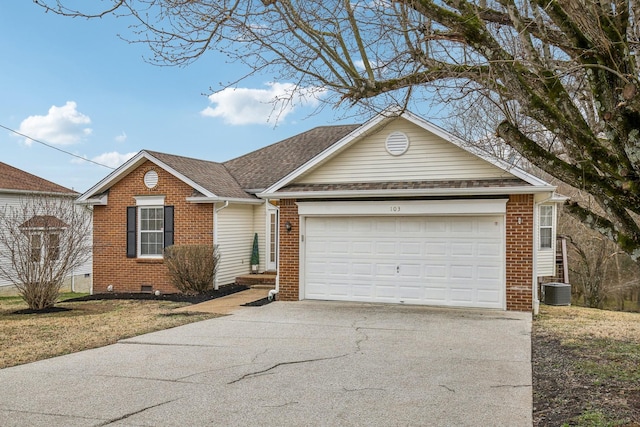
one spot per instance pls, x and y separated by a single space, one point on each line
55 148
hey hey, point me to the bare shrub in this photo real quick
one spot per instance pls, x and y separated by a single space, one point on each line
192 268
42 240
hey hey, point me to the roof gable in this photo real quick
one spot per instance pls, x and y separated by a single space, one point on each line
17 180
428 157
311 172
209 179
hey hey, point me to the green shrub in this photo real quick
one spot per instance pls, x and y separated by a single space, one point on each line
192 268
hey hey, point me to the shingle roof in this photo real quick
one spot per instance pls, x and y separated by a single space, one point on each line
15 179
212 176
264 167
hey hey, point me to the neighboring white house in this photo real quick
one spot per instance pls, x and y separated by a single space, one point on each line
17 186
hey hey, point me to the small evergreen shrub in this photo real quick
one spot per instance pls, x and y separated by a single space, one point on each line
192 268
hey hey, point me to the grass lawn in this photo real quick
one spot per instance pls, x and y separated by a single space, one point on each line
26 338
586 367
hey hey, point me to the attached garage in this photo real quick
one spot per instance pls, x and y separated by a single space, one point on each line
454 260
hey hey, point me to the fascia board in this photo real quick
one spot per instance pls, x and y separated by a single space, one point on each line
495 191
216 199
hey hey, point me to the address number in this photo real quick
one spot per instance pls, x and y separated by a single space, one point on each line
394 208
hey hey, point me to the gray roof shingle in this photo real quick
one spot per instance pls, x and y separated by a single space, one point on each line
212 176
15 179
264 167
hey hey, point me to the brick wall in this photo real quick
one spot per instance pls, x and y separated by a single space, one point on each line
193 224
519 252
288 268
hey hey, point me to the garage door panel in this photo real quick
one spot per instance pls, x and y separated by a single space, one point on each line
453 261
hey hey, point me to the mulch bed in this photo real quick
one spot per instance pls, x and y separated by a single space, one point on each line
193 299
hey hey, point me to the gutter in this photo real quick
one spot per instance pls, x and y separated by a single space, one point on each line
205 199
490 191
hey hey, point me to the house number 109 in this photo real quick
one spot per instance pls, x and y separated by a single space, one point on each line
395 208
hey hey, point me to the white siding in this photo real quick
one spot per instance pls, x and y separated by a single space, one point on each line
8 201
260 227
235 239
546 258
429 157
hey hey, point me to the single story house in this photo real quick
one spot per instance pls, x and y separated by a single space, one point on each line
18 187
394 210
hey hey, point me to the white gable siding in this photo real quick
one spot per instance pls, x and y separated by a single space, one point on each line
429 157
235 238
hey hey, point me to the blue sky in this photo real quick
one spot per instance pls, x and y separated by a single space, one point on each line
75 85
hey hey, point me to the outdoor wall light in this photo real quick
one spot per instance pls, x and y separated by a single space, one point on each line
287 226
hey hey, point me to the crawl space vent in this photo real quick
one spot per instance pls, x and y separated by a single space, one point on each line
397 143
146 288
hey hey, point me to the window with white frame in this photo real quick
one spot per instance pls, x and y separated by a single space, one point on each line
546 226
43 232
151 230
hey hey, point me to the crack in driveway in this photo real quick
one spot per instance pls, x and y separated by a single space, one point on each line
125 416
277 365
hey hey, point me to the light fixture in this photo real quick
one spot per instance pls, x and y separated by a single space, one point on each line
287 226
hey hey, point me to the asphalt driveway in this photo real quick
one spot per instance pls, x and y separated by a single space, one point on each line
292 364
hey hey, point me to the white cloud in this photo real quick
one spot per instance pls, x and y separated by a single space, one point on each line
61 126
112 159
122 137
243 106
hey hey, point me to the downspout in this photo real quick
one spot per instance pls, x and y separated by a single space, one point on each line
215 235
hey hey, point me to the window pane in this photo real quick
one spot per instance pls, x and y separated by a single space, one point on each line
545 238
546 216
53 246
36 247
151 231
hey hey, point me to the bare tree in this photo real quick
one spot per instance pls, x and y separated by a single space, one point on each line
42 240
562 73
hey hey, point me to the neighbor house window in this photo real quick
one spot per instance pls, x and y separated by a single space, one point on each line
151 231
546 226
44 237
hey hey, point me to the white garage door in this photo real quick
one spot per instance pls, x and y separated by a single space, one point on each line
450 261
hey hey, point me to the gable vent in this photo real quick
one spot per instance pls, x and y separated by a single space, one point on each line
151 179
397 143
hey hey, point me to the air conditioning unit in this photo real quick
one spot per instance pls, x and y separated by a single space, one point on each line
557 293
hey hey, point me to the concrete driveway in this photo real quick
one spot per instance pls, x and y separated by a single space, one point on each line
292 364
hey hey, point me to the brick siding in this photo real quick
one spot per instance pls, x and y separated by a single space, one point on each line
289 267
519 252
193 224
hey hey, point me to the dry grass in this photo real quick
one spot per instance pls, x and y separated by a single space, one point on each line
580 323
586 367
27 338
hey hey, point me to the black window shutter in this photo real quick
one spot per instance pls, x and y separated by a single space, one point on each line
168 226
131 232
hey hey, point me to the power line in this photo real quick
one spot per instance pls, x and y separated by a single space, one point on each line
55 148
